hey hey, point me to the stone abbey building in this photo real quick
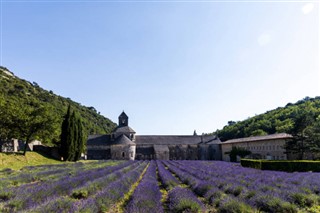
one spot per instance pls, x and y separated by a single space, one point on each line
124 144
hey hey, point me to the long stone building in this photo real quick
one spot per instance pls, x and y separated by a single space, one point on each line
271 147
124 144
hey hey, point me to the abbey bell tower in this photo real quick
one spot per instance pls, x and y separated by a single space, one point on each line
123 119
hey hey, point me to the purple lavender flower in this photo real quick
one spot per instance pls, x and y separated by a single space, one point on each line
183 200
166 177
147 196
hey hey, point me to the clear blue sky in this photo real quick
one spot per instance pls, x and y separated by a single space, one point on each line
172 66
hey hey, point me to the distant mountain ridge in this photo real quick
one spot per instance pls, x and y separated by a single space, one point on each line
12 89
299 118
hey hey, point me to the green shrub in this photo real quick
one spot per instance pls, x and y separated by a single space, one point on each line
256 164
216 198
250 194
287 166
234 206
186 205
202 189
4 196
274 204
80 194
233 190
304 200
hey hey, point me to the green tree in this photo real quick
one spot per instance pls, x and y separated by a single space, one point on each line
284 125
27 121
82 137
15 92
65 135
237 151
258 132
305 130
72 137
292 119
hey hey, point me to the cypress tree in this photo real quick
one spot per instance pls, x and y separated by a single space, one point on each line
80 139
72 137
64 137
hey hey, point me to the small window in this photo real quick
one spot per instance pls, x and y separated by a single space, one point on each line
123 154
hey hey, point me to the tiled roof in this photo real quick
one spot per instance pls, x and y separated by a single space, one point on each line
150 140
173 140
98 140
123 140
260 138
124 129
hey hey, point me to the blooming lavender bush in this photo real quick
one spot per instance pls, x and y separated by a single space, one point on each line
265 190
183 200
147 196
98 187
106 198
30 196
166 177
93 186
100 202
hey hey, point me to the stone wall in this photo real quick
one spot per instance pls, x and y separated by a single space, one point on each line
210 152
123 152
155 152
183 152
99 152
9 145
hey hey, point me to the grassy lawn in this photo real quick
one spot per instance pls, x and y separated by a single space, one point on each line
17 161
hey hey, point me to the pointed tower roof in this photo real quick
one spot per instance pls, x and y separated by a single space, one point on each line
123 120
123 114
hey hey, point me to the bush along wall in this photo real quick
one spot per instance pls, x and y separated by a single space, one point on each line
287 166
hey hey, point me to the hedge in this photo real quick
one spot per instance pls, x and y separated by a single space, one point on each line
283 165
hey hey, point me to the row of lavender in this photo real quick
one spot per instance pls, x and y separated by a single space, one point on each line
231 188
85 188
76 191
166 186
148 197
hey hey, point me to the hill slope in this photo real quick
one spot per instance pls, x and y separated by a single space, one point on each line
18 161
18 92
294 119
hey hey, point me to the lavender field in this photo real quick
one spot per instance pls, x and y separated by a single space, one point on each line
156 186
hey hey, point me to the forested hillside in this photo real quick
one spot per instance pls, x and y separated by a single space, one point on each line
29 112
301 118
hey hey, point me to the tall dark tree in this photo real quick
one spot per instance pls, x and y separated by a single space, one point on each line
81 137
65 135
72 137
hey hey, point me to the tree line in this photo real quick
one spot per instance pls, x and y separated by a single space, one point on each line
301 119
28 112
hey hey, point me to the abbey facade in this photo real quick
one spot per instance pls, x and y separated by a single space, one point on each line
124 144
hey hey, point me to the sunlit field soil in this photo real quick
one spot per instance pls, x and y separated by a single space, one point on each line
156 186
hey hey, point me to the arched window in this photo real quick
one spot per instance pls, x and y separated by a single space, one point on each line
123 154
